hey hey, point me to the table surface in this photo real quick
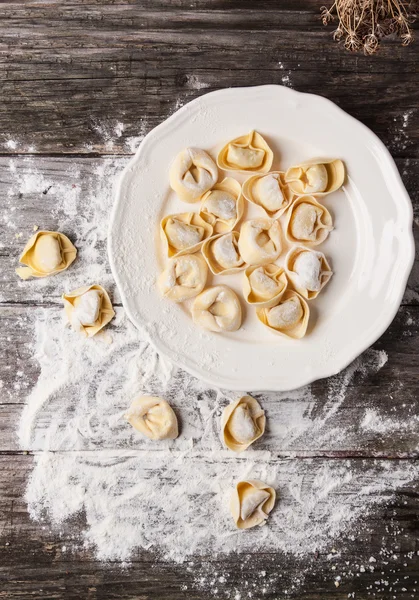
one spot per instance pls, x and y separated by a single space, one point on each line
85 80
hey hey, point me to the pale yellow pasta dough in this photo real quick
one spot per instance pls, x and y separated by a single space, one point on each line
46 253
308 271
264 284
217 309
184 277
307 221
242 423
251 503
193 172
288 318
260 241
222 253
88 309
248 153
316 177
153 417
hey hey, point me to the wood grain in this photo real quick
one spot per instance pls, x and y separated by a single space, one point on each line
82 79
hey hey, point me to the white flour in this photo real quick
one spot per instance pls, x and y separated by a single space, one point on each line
172 497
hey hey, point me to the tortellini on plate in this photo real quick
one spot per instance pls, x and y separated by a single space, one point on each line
308 271
249 153
46 253
224 202
307 221
270 192
251 503
153 417
184 277
260 241
316 177
222 253
217 309
242 423
193 172
264 284
88 309
184 233
289 318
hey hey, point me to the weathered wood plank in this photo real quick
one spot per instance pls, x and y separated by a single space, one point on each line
100 67
41 561
67 194
369 410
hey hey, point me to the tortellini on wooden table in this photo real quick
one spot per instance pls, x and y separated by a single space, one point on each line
217 309
88 309
224 203
242 423
46 253
264 284
260 241
184 233
184 277
316 177
193 172
222 253
289 318
153 417
251 502
307 221
248 153
270 192
308 271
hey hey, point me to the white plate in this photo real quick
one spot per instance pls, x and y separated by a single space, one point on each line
371 249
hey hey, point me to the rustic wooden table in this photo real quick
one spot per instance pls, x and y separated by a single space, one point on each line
82 80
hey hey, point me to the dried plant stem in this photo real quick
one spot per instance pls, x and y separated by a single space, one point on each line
362 24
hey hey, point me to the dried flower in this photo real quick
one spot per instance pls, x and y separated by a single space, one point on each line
364 23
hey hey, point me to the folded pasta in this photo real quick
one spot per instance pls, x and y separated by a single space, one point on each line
46 253
184 277
242 423
193 172
270 192
251 503
264 285
316 177
217 309
153 417
249 153
308 271
184 233
224 204
222 253
88 309
289 318
307 221
260 241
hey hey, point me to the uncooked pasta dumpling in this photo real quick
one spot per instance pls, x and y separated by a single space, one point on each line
268 191
217 309
46 253
248 153
316 177
184 233
260 241
224 202
88 309
289 318
242 423
222 253
153 417
264 284
251 503
308 221
184 277
193 172
308 270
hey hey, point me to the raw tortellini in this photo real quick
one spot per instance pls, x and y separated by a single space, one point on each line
242 423
260 241
224 202
308 221
222 253
46 253
153 417
264 284
217 309
184 233
88 309
251 503
289 318
193 172
184 277
248 153
308 271
268 191
316 177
